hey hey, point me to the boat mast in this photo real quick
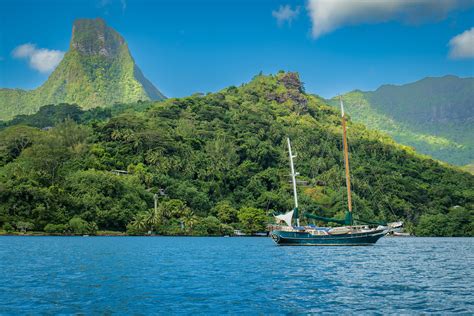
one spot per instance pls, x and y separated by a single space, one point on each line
293 178
346 157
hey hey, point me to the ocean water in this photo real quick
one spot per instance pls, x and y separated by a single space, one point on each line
178 275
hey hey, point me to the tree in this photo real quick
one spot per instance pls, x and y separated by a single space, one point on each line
458 222
170 217
55 228
194 197
225 212
44 159
80 227
189 223
252 219
227 230
8 228
152 219
15 139
177 218
432 225
205 150
139 224
461 222
208 226
109 199
71 134
24 226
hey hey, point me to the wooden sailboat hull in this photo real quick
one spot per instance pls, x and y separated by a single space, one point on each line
289 238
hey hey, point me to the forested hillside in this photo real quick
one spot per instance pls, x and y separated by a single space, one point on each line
433 115
217 162
98 70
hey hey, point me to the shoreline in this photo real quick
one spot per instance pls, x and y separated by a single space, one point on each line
123 234
117 234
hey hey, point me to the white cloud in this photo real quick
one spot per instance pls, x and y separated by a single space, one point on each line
46 60
285 14
329 15
42 59
23 51
106 4
462 45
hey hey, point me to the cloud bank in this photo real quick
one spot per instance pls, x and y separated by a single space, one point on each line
462 45
41 59
329 15
285 14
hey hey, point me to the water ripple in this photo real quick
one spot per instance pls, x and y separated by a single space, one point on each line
164 275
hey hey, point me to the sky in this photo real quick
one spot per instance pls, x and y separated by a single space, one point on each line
185 47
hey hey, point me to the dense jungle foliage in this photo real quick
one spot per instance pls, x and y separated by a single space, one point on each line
216 163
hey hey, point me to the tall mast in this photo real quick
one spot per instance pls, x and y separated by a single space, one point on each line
293 178
346 156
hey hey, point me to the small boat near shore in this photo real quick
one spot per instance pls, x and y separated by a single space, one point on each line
396 234
346 235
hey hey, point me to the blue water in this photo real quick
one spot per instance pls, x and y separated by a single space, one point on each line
166 275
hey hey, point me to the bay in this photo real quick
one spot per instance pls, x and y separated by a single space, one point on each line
199 275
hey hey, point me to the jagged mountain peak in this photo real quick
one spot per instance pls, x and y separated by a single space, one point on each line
94 37
98 70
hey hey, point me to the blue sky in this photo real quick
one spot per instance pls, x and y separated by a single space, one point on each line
185 47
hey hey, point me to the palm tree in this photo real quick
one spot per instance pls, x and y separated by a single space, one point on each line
189 222
139 222
153 218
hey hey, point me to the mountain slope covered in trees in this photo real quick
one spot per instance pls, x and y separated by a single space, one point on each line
98 70
433 115
216 162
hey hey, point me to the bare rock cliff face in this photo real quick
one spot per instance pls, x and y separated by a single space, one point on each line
94 37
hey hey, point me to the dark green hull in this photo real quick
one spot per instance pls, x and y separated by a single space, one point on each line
285 238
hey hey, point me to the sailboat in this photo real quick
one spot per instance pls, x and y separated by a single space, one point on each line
347 234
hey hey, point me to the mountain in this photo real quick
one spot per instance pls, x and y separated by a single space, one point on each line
218 162
97 70
433 115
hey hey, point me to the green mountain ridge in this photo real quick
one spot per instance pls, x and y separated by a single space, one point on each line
434 115
98 70
221 162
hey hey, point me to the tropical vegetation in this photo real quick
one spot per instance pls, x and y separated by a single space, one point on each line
215 163
433 115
